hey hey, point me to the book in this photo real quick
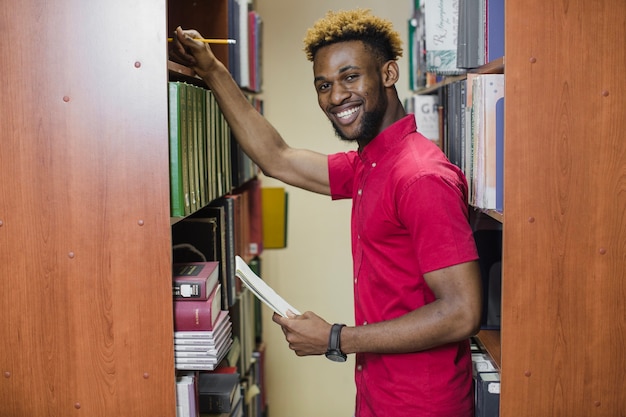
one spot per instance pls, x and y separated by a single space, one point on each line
204 239
222 323
198 315
194 280
204 365
202 354
481 362
441 21
487 394
177 187
261 290
494 36
233 353
424 107
245 327
493 93
243 43
500 155
255 215
470 49
224 210
186 394
274 203
218 392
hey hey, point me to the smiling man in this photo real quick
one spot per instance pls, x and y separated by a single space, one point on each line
416 280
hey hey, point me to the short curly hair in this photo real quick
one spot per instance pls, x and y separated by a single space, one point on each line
350 25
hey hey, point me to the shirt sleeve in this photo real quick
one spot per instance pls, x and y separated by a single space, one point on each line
434 210
341 171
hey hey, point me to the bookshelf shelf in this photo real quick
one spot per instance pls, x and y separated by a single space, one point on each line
179 69
494 67
432 89
489 341
494 214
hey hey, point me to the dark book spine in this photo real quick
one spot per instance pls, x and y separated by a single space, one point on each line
214 402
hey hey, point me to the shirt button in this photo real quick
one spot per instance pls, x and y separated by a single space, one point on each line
360 192
365 323
374 165
355 280
359 368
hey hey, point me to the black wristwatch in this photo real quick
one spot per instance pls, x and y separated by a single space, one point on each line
334 352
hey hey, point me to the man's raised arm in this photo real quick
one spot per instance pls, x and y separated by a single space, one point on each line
257 137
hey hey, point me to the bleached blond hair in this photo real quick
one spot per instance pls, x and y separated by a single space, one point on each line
358 24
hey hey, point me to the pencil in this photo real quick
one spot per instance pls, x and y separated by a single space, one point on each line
216 41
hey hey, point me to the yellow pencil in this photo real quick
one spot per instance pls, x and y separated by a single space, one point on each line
216 41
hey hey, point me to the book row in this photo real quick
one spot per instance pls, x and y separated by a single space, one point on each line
244 59
227 227
450 37
466 119
205 163
218 352
486 379
223 392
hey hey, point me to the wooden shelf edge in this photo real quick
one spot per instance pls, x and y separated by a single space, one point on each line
494 67
181 69
494 214
489 341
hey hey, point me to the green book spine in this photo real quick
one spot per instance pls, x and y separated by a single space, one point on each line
190 148
210 130
177 193
202 146
184 138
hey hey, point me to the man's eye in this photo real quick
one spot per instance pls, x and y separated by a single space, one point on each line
323 87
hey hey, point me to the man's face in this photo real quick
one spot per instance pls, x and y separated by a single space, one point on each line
350 90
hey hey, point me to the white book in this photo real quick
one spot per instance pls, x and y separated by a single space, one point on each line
203 342
261 290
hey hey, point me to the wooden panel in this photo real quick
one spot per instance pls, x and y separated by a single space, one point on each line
210 18
85 257
564 316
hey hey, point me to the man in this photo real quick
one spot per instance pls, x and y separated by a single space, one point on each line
416 279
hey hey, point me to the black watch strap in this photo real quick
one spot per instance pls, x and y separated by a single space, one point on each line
334 352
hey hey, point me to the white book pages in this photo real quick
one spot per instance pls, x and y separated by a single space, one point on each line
261 290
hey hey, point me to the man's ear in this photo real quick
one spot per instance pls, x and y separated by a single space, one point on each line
391 73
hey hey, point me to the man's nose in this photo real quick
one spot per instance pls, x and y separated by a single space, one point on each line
338 94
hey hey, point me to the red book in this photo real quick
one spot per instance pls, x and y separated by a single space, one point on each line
195 280
198 315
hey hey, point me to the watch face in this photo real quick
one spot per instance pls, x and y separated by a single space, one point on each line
336 356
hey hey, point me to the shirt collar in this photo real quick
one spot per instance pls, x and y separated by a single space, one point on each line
388 139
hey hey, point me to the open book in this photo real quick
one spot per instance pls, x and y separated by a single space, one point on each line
261 290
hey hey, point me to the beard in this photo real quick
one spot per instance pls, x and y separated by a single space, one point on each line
367 130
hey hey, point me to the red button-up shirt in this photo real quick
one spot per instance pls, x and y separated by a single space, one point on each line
409 217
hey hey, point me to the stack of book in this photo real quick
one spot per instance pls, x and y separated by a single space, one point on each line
202 330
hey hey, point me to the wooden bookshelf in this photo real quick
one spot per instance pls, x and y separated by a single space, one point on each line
563 250
560 348
85 226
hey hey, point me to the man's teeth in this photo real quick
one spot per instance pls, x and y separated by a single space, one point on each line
347 113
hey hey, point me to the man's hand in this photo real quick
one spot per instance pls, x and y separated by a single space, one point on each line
307 334
191 53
